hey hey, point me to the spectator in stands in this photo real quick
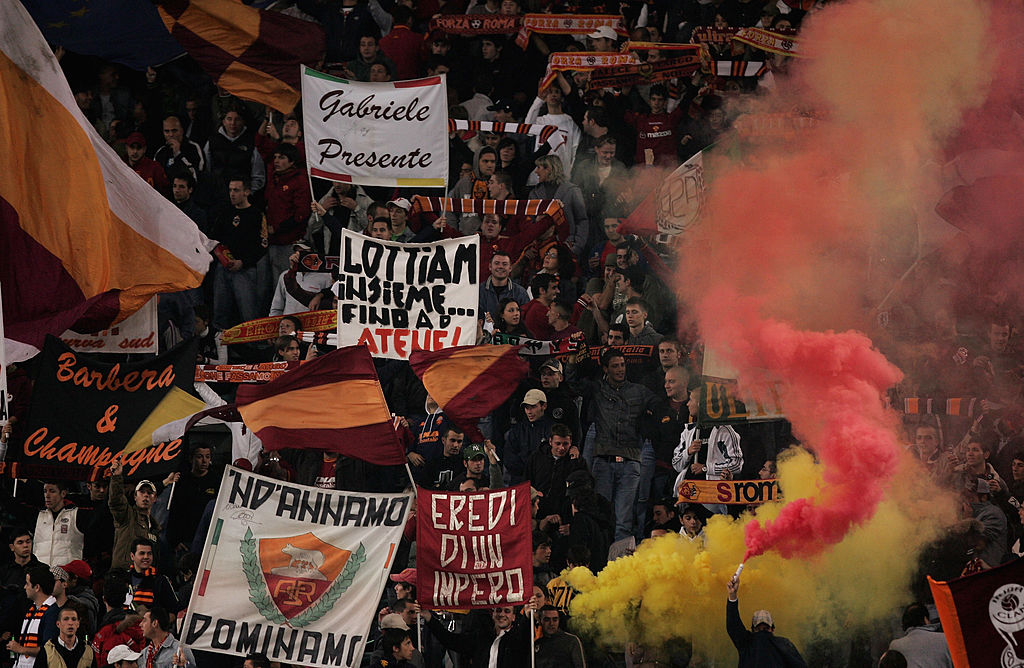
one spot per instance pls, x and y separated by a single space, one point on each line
195 488
603 39
541 559
509 318
288 209
976 465
640 330
505 643
563 403
587 531
122 656
162 646
40 623
616 409
554 98
398 210
691 524
526 436
545 289
147 586
130 521
150 170
287 349
554 184
183 186
976 503
498 285
721 452
179 154
296 288
923 644
231 153
758 646
440 473
555 648
656 131
242 230
66 650
402 45
548 469
396 650
60 526
119 626
473 185
369 55
601 179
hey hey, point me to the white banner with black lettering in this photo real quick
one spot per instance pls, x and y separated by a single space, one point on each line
135 334
397 298
376 134
294 572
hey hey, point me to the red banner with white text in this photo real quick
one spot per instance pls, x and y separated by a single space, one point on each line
474 549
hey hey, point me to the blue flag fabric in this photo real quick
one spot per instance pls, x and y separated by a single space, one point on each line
128 32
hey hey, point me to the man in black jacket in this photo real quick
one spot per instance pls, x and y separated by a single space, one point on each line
758 647
511 630
555 647
548 468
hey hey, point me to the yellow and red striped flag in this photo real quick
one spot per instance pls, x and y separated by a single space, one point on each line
468 382
84 242
334 402
252 53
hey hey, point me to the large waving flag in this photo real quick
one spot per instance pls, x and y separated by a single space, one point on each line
253 53
334 402
123 31
84 242
469 382
982 615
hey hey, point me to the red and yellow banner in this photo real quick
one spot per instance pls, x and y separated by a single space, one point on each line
261 329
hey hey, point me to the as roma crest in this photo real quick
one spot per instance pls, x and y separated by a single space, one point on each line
296 580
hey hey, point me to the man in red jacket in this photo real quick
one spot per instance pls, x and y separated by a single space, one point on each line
288 207
147 168
402 45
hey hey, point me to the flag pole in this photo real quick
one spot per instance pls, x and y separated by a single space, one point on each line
533 641
419 634
170 497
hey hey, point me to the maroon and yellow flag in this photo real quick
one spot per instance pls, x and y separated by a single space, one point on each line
252 53
983 616
468 382
333 402
84 242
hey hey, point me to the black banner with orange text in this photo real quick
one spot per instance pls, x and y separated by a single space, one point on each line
84 411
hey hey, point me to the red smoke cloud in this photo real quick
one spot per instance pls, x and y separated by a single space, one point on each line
805 239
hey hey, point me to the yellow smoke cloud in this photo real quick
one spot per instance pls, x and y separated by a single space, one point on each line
671 589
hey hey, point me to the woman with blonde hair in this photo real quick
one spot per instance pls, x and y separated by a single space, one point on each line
554 184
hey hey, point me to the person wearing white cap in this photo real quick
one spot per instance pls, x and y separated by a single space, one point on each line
758 646
131 521
603 39
527 435
122 656
399 210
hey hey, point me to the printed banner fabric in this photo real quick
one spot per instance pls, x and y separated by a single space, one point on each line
736 492
100 408
508 207
262 329
294 572
549 134
135 334
263 372
566 24
475 549
983 615
376 134
645 73
476 24
767 40
396 298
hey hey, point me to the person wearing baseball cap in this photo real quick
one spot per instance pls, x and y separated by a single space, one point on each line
149 169
603 39
122 656
476 457
561 400
758 646
527 435
131 521
399 210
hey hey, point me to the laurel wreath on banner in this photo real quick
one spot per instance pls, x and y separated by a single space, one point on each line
259 594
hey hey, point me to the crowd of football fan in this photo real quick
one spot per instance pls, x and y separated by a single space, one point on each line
603 430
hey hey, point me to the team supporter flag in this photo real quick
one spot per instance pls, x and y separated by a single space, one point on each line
252 53
475 548
122 31
84 242
983 615
674 205
84 411
376 134
333 402
469 382
292 571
